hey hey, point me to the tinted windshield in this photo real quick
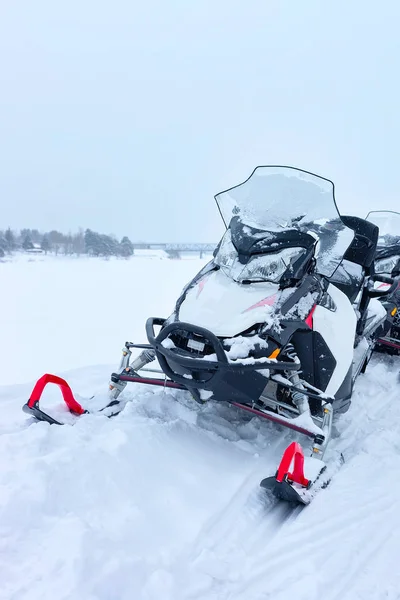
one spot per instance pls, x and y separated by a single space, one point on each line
275 198
389 226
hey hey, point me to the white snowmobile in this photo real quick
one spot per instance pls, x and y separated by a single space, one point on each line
271 325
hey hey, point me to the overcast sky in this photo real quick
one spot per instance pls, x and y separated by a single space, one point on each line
128 117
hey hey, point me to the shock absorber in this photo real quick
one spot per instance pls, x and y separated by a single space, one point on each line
144 358
300 400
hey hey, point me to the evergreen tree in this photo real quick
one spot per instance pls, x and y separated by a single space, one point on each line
24 233
45 245
3 243
10 239
99 244
108 246
126 247
27 243
92 243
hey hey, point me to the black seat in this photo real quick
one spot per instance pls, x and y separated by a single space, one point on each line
360 252
363 247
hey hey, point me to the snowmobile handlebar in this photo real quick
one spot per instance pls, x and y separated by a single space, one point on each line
383 279
202 366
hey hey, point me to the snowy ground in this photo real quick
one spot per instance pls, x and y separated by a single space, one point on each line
163 500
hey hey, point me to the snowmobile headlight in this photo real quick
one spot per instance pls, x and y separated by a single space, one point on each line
386 265
227 254
261 267
271 266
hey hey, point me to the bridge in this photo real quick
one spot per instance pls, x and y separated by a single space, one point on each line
181 247
174 250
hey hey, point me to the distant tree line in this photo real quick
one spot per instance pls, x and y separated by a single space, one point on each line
84 242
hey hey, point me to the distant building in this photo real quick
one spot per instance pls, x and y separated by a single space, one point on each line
35 250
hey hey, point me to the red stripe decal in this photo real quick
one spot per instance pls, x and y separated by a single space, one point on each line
309 320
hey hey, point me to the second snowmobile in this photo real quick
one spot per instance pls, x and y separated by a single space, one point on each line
387 262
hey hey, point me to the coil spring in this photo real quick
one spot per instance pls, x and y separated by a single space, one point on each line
297 397
291 352
294 376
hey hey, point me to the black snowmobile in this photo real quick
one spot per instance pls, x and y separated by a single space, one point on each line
274 324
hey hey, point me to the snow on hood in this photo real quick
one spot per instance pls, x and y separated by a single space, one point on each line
226 307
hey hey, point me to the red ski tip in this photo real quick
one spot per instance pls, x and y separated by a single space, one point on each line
33 402
293 455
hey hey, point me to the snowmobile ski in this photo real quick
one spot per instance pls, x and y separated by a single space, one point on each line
32 407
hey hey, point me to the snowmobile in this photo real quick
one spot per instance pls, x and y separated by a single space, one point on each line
387 262
270 325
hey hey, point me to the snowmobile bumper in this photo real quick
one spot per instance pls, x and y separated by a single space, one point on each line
236 383
185 365
195 358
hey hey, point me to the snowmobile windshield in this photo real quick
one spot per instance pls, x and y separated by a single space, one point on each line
261 267
388 253
389 226
277 198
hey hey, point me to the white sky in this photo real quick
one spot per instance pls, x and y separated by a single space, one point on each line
128 117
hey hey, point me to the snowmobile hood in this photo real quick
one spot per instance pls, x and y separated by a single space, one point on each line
228 308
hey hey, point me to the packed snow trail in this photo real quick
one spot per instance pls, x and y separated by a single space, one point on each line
163 500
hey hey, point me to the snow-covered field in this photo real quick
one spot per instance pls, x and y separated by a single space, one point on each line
163 501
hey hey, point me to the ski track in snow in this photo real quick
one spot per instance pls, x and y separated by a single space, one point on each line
163 500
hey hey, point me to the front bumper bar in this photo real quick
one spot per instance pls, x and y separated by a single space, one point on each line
214 368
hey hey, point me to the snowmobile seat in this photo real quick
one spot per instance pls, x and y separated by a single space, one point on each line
363 247
360 253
